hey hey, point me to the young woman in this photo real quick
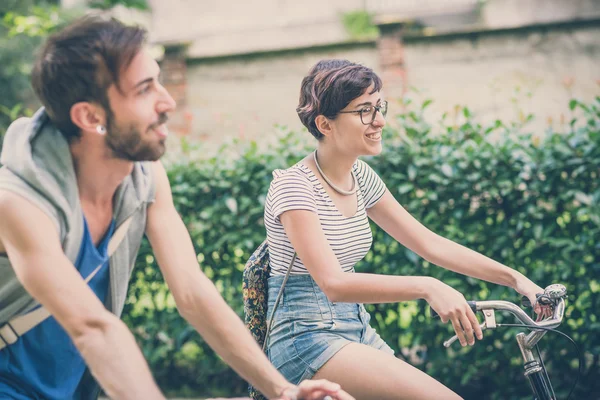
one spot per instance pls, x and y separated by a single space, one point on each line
318 209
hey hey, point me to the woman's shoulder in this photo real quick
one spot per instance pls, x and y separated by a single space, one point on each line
298 173
362 168
291 189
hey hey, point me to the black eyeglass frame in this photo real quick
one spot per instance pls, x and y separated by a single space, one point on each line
382 108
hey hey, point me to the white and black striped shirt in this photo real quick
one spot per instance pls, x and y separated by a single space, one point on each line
297 188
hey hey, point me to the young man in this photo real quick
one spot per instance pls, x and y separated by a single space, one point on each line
79 174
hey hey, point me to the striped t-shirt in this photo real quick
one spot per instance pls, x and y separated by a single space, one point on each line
297 188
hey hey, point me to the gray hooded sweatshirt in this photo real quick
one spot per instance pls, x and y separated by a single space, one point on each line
37 165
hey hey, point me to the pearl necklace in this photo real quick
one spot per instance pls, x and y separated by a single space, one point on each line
337 189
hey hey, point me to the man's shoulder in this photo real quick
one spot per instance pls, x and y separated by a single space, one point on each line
16 207
13 204
10 201
21 217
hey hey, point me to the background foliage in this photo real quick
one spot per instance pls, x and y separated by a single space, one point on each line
528 202
23 24
359 25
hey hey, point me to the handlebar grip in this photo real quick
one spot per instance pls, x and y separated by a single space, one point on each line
472 304
543 300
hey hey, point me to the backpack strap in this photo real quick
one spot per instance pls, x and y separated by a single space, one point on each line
18 326
287 275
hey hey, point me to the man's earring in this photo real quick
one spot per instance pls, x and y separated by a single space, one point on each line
101 129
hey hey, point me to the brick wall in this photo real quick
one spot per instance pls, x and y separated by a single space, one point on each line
392 68
174 78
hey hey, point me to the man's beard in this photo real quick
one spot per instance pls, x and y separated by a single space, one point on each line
128 144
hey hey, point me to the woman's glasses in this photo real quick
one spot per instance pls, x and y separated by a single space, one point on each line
367 113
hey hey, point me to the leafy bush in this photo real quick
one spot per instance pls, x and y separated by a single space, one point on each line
532 204
23 26
528 202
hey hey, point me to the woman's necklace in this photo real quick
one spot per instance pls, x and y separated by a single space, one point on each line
337 189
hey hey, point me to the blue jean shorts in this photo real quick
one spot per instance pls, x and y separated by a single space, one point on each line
308 329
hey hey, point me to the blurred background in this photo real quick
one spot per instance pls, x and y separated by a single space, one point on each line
492 141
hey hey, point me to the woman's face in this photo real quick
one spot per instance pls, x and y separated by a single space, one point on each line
357 137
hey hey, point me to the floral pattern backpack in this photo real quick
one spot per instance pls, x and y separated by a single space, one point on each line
255 290
256 302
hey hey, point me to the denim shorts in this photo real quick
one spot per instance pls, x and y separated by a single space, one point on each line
308 329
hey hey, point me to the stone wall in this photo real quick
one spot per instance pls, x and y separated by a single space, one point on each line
496 74
501 75
246 97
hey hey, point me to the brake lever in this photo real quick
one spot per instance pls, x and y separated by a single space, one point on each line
454 338
489 322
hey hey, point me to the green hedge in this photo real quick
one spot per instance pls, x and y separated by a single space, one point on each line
530 203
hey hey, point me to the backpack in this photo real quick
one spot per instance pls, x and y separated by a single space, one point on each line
255 291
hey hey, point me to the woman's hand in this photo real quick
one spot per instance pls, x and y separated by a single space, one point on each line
452 306
315 390
529 289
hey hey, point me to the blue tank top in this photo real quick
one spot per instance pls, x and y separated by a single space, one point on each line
44 363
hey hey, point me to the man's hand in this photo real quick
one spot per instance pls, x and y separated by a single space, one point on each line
232 398
308 390
315 390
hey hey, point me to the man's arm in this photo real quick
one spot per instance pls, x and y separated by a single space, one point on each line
108 348
198 300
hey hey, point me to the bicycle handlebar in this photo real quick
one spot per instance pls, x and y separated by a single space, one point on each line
521 315
554 296
556 293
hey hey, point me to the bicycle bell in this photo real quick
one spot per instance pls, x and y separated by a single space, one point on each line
556 291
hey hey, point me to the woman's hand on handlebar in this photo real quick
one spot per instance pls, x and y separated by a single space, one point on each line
452 306
529 289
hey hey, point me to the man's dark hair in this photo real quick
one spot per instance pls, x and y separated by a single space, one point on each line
79 63
329 87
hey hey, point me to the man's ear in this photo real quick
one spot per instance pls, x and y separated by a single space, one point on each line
324 125
89 117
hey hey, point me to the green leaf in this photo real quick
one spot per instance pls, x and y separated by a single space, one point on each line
108 4
359 24
572 104
426 103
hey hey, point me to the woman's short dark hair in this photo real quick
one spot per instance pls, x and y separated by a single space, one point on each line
79 63
329 87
